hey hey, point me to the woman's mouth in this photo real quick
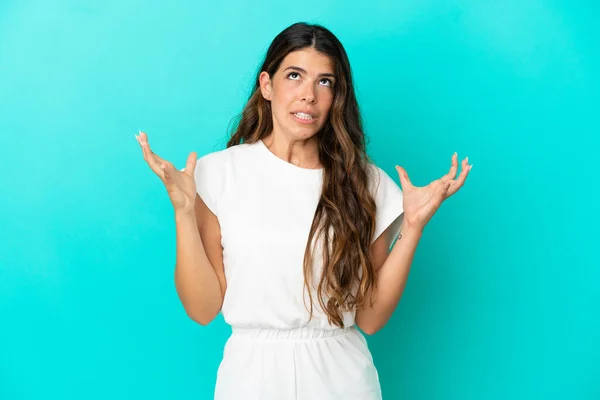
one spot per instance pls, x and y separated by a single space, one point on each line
304 118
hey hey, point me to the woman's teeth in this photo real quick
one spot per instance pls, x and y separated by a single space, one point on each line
304 116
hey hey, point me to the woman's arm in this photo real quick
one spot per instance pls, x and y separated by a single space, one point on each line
199 275
419 205
392 270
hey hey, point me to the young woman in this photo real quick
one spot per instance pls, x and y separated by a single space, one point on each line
287 231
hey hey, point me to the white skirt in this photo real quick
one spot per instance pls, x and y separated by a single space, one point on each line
297 364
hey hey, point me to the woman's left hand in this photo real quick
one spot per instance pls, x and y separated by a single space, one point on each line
420 203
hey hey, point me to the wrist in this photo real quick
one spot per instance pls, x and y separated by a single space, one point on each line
184 215
411 230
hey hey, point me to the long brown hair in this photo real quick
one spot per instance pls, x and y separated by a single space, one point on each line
345 214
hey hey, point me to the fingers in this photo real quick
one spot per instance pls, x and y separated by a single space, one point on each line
147 153
164 169
404 179
453 168
146 145
459 182
441 186
169 174
190 165
154 161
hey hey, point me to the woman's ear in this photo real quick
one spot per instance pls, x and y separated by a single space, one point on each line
265 85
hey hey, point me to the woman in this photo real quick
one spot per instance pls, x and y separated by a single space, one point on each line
252 222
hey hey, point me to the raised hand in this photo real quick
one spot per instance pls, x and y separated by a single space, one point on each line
180 185
421 203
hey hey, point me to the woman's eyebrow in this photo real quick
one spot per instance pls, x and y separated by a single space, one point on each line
304 71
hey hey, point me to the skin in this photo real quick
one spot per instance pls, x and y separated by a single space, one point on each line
420 204
304 82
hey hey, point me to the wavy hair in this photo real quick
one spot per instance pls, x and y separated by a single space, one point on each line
345 215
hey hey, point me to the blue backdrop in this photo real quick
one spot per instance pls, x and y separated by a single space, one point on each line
502 301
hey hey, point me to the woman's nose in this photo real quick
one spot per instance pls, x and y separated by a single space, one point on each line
309 94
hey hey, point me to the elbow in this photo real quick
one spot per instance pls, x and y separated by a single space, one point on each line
203 322
200 309
201 319
369 330
200 315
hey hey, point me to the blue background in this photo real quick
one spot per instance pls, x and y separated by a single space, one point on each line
503 299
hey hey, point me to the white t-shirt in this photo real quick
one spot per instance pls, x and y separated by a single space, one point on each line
265 207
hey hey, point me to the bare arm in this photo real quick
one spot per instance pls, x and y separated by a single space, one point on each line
419 204
199 275
392 273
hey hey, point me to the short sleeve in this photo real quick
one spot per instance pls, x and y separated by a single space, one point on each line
388 199
210 179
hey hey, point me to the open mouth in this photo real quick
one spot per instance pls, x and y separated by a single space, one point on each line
304 118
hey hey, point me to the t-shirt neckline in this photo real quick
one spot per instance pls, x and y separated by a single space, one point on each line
291 166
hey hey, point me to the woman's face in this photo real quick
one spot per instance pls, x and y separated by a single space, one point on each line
301 93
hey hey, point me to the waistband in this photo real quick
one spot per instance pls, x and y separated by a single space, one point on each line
302 333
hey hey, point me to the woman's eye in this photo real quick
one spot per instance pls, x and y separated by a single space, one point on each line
296 76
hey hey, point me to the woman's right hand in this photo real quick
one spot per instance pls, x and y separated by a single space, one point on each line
180 185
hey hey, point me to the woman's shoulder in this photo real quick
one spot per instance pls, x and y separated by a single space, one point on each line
375 174
381 183
213 174
224 155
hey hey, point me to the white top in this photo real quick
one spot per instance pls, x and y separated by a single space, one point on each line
265 207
